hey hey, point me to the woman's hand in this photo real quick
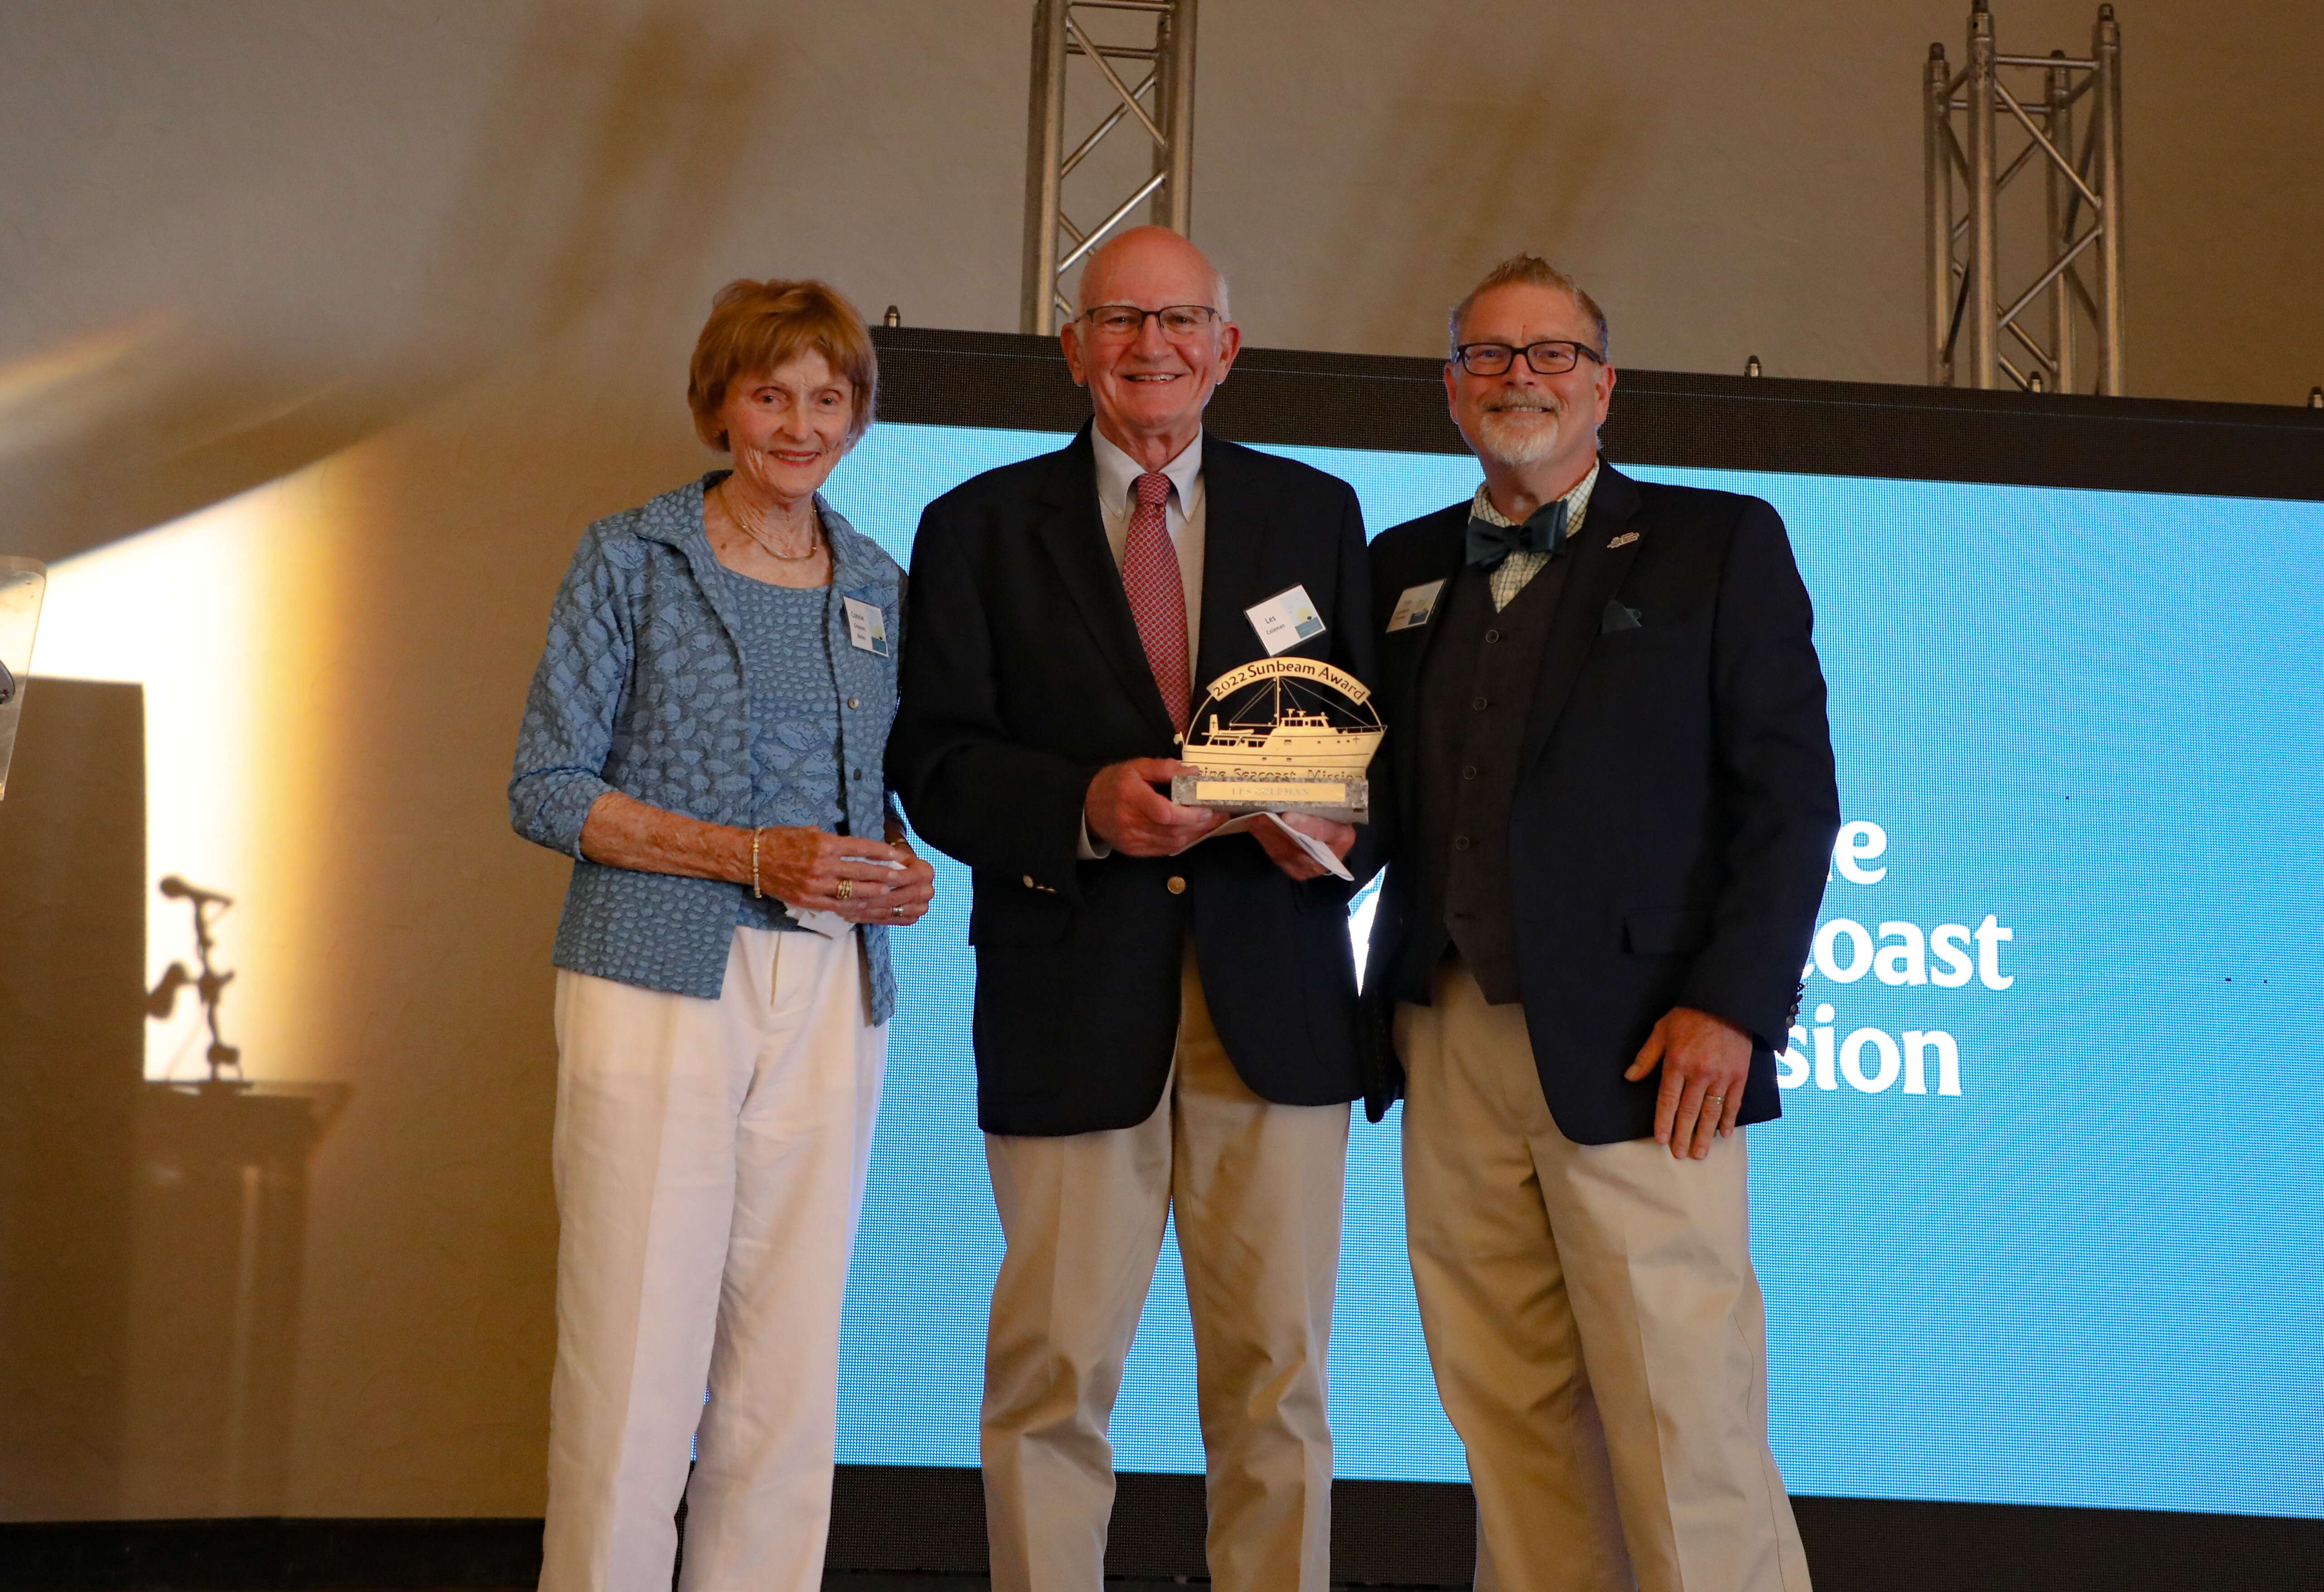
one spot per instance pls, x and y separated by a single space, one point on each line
814 870
914 890
801 867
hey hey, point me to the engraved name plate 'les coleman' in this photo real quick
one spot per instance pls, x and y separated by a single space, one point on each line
1282 735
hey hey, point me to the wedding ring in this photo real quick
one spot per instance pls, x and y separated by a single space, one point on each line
846 889
897 910
1714 1099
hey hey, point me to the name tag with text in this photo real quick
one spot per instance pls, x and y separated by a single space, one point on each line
1416 607
1285 619
867 627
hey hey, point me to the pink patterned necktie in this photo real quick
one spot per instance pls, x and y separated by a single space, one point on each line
1158 596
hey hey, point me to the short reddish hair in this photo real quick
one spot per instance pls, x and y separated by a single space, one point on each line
755 326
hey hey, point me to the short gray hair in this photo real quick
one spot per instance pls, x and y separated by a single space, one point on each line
1532 270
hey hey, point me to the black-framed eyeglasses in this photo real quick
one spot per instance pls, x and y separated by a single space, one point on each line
1125 321
1553 357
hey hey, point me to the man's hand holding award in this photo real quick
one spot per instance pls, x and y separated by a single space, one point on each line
1286 741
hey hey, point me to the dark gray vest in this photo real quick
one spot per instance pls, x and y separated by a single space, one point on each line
1476 695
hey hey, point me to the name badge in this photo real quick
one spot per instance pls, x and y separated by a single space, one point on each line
1416 607
867 627
1285 619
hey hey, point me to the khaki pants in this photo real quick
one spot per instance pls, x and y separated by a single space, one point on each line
1594 1325
710 1158
1256 1189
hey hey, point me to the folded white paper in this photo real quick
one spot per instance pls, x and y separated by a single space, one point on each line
830 925
1314 848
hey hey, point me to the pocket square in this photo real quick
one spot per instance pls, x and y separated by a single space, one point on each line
1623 541
1618 618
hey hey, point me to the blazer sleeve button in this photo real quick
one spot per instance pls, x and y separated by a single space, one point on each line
1029 881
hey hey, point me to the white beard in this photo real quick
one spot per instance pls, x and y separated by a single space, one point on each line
1516 439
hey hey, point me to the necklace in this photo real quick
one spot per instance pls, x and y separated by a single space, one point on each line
814 534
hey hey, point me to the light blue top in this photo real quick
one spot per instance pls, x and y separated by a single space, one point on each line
795 702
645 687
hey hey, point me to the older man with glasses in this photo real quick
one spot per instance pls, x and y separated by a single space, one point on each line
1616 803
1166 1017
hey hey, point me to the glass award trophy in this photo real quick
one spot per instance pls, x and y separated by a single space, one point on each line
1282 735
22 582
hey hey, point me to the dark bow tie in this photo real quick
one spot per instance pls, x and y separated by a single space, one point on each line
1542 532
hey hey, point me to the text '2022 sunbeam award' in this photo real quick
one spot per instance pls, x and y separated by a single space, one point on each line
1282 735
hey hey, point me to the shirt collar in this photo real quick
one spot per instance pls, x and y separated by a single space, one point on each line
1118 473
1577 503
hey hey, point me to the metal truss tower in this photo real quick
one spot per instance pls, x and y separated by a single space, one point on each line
1161 104
1967 315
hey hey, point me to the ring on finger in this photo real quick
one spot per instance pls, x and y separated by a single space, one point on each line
846 889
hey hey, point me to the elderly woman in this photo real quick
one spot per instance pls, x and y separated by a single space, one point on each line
704 738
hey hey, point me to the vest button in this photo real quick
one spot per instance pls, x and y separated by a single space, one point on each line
1174 884
852 702
1461 842
1479 703
1492 635
1470 772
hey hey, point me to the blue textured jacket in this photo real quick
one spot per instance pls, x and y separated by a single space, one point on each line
641 690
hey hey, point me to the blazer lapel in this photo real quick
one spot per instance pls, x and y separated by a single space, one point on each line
1068 526
677 518
1443 546
1234 546
1596 576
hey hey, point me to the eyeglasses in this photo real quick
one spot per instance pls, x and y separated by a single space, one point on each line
1552 357
1123 322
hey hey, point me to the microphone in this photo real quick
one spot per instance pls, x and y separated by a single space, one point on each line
178 890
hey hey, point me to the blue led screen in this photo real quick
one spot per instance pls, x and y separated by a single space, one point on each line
2043 1220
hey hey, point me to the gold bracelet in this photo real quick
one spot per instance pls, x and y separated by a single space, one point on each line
756 894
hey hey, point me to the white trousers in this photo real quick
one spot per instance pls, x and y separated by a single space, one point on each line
709 1162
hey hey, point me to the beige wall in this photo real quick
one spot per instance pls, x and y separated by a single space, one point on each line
369 305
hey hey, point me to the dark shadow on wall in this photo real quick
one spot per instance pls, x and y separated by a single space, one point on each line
217 1264
218 1255
607 149
152 1234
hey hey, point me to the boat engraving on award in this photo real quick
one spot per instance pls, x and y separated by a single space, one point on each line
1282 735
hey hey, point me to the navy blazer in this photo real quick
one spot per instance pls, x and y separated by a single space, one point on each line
1024 678
1676 802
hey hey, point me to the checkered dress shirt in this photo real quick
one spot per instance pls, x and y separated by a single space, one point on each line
1511 573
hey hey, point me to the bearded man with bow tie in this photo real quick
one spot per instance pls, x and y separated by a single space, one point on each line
1614 803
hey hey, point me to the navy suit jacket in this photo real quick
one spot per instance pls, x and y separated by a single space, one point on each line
1676 805
1022 676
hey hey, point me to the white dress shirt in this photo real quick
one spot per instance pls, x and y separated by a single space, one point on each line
1183 515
